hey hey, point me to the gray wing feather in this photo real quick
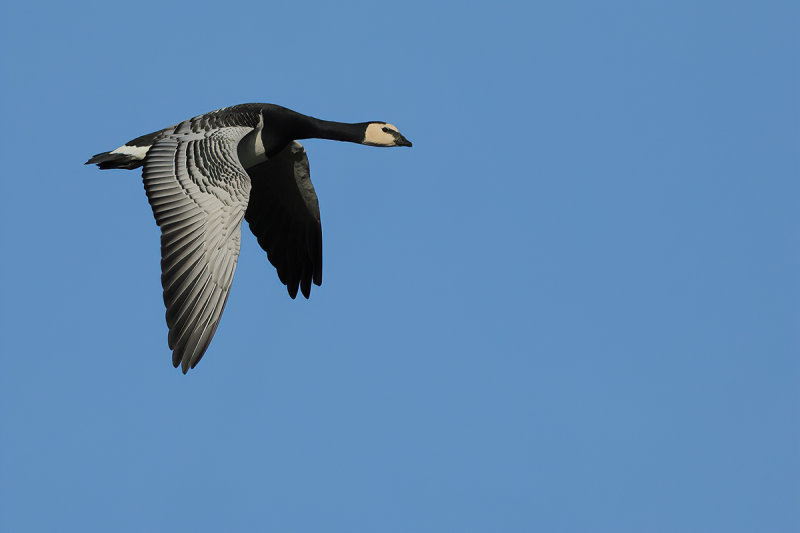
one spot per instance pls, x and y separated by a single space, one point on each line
198 191
283 214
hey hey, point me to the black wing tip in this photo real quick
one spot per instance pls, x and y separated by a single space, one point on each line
292 288
178 360
181 359
184 364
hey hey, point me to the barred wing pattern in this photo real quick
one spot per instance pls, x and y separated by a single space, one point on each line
243 115
283 214
199 192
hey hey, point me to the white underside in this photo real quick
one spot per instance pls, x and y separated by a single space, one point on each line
136 151
251 148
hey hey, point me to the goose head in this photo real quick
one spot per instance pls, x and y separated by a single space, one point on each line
383 134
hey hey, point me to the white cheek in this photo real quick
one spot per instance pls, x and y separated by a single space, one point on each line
376 135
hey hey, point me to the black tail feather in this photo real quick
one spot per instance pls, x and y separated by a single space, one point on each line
108 160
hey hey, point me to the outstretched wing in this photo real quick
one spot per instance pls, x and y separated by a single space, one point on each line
283 214
198 191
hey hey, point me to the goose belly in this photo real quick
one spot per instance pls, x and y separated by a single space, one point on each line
251 149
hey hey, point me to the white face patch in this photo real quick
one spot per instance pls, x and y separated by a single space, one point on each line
377 137
136 151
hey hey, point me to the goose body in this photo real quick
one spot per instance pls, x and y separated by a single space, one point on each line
203 176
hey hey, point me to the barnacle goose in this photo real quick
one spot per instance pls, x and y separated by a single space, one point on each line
203 176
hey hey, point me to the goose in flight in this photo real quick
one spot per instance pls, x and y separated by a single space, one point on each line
203 176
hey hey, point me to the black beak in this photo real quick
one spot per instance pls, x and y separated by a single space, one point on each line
402 141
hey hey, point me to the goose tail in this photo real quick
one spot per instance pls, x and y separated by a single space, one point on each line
125 157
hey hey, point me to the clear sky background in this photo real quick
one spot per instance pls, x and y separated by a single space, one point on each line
572 306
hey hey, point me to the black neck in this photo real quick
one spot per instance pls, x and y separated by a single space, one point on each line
314 128
298 126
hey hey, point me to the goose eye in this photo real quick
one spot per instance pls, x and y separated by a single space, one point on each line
386 130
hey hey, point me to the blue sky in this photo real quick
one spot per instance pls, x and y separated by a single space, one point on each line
572 306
